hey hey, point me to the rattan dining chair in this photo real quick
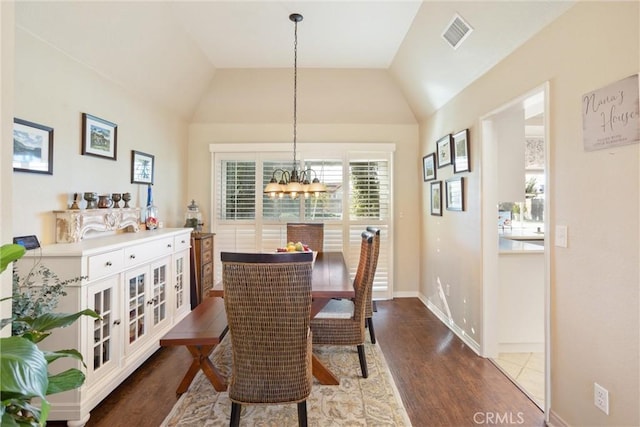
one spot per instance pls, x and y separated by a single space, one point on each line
370 305
311 234
267 299
329 329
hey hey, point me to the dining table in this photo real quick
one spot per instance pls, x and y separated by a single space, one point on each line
330 279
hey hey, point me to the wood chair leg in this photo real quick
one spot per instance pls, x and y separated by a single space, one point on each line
363 361
235 414
372 333
302 414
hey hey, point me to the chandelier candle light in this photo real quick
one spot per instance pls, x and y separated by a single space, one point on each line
294 182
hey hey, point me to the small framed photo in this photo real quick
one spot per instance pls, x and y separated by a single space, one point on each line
99 137
444 151
455 194
32 147
142 167
461 151
436 198
429 167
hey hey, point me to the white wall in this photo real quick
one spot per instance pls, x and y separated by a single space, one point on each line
54 90
595 330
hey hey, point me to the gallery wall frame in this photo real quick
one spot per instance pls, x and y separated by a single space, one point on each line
429 167
142 167
461 151
99 137
436 198
443 150
32 147
455 194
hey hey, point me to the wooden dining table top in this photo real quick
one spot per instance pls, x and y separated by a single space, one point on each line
330 278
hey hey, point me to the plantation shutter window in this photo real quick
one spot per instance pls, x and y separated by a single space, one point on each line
358 182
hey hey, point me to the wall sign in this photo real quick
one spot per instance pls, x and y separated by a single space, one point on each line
611 115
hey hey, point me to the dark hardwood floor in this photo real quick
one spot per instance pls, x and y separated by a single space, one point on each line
441 381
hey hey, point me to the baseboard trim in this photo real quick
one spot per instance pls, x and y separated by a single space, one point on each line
470 342
555 420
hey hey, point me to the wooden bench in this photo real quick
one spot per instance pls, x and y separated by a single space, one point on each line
200 331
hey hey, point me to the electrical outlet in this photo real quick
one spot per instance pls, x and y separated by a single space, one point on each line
448 291
601 398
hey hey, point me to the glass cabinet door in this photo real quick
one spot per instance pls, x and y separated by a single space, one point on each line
137 293
105 350
159 292
181 283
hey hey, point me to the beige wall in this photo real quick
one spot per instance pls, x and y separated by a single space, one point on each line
6 151
595 329
354 112
54 90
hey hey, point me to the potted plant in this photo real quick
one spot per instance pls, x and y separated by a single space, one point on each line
24 371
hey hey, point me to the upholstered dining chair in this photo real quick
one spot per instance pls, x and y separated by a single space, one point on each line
330 329
311 234
267 299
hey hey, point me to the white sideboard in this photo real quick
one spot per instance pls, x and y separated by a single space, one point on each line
138 283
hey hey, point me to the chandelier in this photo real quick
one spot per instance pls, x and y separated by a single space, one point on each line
294 182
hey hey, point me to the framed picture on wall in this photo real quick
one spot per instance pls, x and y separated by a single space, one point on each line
455 194
461 151
429 167
436 198
99 137
142 167
443 149
32 147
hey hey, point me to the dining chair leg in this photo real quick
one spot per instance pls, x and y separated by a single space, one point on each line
302 413
235 414
372 333
363 361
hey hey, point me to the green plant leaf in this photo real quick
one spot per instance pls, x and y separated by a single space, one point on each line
48 321
23 369
67 380
18 412
55 355
10 253
5 322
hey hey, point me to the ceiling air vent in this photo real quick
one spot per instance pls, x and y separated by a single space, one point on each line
456 31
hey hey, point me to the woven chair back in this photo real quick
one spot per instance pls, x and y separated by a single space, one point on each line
311 234
267 299
363 282
341 331
376 252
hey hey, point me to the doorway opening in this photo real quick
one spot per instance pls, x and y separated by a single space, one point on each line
516 282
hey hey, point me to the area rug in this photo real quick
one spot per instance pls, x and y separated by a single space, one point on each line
357 401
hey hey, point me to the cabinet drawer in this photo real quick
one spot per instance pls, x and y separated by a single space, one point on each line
137 254
207 244
182 242
105 264
207 256
207 277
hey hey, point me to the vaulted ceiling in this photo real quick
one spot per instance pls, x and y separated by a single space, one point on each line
169 51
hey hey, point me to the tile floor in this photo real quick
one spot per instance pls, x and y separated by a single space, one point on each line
527 371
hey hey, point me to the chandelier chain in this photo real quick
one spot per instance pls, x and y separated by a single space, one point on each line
295 92
296 181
